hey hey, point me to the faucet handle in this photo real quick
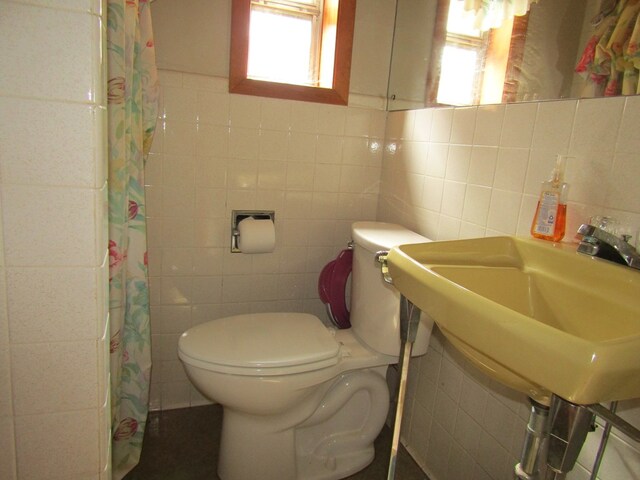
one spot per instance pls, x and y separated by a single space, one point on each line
600 243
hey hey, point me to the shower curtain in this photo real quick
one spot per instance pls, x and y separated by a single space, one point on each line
132 109
610 62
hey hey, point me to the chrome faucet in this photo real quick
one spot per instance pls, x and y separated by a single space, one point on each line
599 243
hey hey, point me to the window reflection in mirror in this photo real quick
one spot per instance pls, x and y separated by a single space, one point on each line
544 49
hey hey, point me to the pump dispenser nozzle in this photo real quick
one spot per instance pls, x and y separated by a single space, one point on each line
557 176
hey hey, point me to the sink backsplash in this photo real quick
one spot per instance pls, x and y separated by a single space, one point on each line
465 172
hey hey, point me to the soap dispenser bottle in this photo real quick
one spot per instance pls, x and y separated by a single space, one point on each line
551 213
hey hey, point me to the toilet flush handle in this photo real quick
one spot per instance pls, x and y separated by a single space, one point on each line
381 258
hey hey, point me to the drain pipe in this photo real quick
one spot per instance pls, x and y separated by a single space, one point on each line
409 321
535 443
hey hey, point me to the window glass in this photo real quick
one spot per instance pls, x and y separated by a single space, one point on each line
457 85
280 48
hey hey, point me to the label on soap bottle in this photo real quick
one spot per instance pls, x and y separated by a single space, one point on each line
547 213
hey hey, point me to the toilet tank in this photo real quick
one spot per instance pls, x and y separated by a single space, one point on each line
375 304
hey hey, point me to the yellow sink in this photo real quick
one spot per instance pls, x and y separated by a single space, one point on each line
534 315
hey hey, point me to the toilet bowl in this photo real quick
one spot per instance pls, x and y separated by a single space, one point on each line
302 400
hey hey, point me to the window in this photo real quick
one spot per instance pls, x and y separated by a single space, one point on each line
298 50
464 51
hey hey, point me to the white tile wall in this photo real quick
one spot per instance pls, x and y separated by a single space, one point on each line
54 420
480 177
317 166
447 173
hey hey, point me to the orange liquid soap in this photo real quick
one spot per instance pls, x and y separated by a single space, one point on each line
551 213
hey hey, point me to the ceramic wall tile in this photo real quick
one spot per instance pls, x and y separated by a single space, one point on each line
179 104
463 126
332 120
68 297
554 124
489 121
51 48
86 6
244 111
453 198
596 125
211 107
275 115
520 119
48 378
458 163
441 125
628 141
43 225
422 125
483 165
43 443
511 169
47 161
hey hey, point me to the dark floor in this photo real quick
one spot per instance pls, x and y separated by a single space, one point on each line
183 445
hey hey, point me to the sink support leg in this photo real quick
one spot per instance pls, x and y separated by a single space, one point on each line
533 450
409 321
568 427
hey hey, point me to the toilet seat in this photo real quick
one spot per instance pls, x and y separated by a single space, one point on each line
261 344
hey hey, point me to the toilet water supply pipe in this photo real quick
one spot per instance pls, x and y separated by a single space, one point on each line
409 321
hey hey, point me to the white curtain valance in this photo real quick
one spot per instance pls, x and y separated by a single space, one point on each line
491 13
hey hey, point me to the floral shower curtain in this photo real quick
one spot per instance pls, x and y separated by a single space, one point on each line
132 109
611 60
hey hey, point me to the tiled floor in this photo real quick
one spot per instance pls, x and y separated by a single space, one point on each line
183 445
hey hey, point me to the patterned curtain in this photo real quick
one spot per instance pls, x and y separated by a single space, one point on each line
132 110
610 62
491 13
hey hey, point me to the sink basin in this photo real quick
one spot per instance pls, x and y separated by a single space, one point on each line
532 314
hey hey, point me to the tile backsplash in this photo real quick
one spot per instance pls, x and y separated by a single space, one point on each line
317 166
455 173
446 173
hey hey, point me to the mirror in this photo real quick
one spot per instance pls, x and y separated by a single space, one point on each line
546 45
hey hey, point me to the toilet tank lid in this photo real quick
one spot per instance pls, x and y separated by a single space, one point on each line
261 340
375 236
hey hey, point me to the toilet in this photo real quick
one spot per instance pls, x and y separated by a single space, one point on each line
302 400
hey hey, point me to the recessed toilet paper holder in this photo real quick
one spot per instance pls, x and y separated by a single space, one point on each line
238 215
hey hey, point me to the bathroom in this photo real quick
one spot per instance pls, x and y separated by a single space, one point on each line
480 177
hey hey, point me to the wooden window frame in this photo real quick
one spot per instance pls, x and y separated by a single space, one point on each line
240 83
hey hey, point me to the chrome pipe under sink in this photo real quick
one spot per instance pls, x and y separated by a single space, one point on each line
555 436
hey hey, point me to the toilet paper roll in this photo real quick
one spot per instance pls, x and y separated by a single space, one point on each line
256 236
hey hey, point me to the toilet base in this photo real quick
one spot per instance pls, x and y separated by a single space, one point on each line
252 447
328 437
312 467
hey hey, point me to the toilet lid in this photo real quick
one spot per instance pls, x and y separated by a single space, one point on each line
261 341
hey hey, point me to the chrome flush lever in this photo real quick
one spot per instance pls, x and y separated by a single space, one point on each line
381 258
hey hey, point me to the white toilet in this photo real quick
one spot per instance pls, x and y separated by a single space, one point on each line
301 400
